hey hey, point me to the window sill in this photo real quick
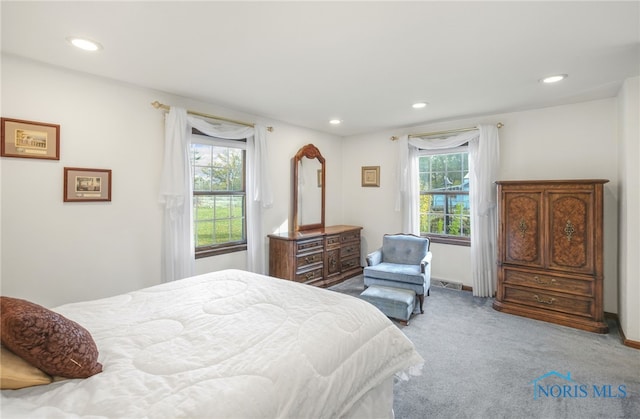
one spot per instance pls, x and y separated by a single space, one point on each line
221 250
456 241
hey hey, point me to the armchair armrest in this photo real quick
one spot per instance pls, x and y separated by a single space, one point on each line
374 258
425 261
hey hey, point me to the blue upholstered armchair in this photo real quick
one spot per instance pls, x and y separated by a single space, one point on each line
403 261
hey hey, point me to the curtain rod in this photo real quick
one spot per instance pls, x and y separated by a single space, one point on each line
159 105
451 131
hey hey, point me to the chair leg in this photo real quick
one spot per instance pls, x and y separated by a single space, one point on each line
421 298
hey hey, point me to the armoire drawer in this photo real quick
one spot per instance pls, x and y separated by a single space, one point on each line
574 305
549 282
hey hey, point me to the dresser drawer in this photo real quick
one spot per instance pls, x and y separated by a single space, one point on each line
348 236
574 305
310 275
544 281
351 263
307 259
349 250
308 245
333 241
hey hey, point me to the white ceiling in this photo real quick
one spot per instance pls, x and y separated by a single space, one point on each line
362 62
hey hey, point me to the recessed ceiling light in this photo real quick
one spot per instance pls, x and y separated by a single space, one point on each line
335 122
554 79
84 44
419 105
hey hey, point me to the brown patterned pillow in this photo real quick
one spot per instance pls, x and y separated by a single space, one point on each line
47 340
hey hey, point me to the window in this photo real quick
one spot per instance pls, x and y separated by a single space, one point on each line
219 210
444 196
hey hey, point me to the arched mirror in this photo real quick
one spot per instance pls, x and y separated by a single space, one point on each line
308 189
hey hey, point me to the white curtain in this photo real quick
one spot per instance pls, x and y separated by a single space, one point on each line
484 159
178 255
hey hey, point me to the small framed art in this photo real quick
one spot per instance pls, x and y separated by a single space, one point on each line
86 185
370 175
29 139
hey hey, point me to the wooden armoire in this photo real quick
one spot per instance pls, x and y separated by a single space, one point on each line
550 251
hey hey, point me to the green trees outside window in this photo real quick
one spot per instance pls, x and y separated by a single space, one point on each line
444 195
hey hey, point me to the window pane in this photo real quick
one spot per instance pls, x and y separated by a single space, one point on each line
219 217
444 201
237 206
237 229
223 207
222 232
203 208
204 233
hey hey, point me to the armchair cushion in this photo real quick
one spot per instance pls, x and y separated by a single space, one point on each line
404 249
396 272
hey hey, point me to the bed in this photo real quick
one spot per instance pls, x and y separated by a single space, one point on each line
229 344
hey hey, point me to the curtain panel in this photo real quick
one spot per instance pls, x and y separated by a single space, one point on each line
176 191
484 160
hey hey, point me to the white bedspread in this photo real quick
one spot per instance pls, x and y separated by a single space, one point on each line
228 344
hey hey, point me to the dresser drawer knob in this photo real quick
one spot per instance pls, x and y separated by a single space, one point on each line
542 300
310 275
549 281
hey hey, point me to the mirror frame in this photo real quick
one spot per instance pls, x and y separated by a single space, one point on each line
311 152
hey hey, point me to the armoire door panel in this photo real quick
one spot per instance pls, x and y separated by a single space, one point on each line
522 218
571 230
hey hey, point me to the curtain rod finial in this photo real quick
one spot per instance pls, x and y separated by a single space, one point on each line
393 138
499 125
156 104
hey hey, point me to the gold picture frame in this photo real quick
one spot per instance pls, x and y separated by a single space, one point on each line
86 185
29 139
371 176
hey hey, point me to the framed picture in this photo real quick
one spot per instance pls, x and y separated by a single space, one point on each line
370 175
86 185
29 139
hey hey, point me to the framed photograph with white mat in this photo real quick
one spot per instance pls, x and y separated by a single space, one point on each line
86 185
29 139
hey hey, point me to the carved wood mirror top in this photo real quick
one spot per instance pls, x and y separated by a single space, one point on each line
308 189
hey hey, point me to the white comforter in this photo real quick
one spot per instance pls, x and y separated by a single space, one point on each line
228 344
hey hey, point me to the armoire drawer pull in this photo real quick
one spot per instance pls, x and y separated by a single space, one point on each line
542 300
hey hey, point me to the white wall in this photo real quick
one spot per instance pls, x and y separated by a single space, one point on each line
55 252
629 191
564 142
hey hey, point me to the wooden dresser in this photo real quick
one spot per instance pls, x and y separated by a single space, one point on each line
320 257
550 240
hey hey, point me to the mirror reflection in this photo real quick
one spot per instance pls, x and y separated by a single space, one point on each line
308 189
